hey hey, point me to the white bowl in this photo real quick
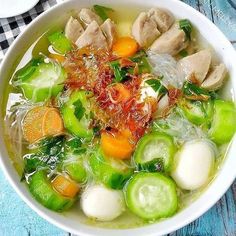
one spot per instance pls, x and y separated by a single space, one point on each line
217 188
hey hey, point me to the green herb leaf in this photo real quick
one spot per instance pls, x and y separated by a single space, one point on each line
119 73
49 153
52 146
194 92
32 162
143 64
186 26
183 53
79 109
155 165
74 146
157 86
102 11
73 143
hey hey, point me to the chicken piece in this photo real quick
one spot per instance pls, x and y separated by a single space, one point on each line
109 29
144 30
87 16
92 36
171 42
196 65
73 29
164 20
216 78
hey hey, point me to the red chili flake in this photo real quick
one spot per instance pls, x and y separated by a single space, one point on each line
174 94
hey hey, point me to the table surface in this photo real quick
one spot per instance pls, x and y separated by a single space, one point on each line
16 218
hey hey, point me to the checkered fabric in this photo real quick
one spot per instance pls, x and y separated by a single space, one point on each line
12 26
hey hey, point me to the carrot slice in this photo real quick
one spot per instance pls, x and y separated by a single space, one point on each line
123 92
32 124
125 47
52 122
57 57
117 145
41 121
65 186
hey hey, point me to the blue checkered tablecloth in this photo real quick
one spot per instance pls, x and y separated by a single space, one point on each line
11 27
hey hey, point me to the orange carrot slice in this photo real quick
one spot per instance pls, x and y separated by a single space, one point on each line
32 124
117 145
125 47
65 186
40 122
52 122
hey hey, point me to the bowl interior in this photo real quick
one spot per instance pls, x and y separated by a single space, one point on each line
71 221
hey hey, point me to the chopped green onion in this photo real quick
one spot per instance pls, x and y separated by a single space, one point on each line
194 92
183 53
119 73
157 86
143 64
186 26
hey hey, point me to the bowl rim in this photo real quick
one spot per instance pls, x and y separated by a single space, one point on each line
149 230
